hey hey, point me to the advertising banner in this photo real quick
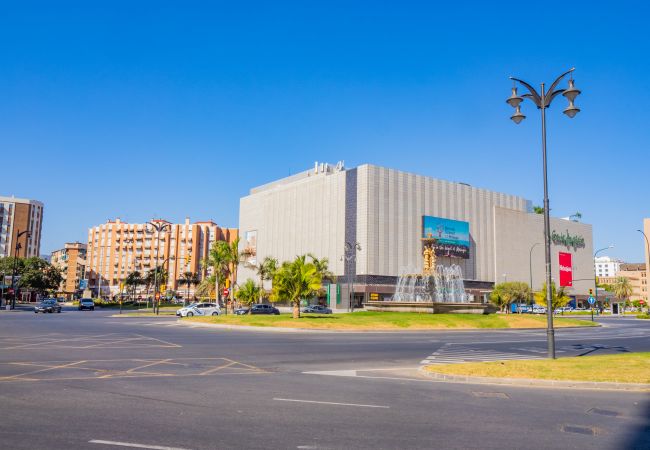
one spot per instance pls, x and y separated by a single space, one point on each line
566 270
452 236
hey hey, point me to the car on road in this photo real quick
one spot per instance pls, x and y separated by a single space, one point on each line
317 309
258 309
199 309
86 303
49 305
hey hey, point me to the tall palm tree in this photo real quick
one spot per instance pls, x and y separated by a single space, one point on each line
133 280
234 257
322 266
265 271
295 281
218 259
248 293
623 289
188 278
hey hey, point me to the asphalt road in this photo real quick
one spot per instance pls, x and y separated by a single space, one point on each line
87 380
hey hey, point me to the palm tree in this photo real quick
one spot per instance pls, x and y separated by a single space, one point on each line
189 278
623 290
234 257
295 281
265 271
205 288
218 259
322 266
558 297
248 293
133 280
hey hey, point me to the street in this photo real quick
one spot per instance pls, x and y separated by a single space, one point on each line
88 380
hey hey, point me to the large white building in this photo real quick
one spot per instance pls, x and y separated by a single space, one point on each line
605 266
492 236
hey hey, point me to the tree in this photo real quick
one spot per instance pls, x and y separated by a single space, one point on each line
206 288
265 271
558 297
234 258
510 292
295 281
218 259
322 266
39 275
189 278
248 293
622 289
133 280
538 209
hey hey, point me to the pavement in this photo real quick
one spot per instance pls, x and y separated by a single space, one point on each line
83 379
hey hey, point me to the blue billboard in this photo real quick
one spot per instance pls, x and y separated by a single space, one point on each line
452 236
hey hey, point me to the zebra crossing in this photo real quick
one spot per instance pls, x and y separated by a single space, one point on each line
459 354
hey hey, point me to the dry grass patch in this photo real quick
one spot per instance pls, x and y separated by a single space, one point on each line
621 368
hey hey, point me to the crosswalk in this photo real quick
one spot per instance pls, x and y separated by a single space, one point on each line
459 354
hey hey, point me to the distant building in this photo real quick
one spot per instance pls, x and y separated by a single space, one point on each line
117 248
637 274
18 215
604 266
71 260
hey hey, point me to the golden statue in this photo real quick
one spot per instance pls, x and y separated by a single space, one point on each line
429 263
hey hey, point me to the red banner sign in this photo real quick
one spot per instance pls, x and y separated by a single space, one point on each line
566 270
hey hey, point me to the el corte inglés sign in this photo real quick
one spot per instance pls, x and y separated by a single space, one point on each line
568 240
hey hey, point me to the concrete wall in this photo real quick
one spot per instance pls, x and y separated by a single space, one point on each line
516 232
390 206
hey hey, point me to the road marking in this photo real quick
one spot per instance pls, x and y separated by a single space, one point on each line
134 445
456 355
330 403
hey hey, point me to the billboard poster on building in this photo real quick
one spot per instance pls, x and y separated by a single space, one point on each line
452 236
566 270
250 248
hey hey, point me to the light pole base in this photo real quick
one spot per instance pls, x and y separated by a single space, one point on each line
550 340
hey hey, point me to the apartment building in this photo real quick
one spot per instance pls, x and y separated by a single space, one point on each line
636 273
71 261
16 216
605 266
117 248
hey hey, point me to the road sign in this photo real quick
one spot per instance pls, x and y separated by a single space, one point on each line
157 295
83 284
591 300
226 291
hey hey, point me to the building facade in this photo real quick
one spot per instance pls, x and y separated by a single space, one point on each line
116 249
637 274
387 213
71 261
16 216
604 266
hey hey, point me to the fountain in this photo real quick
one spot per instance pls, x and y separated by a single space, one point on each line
437 289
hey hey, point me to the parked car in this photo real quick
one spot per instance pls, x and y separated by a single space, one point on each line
258 309
199 309
86 303
48 306
317 309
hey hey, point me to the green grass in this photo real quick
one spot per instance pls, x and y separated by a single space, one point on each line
621 368
391 321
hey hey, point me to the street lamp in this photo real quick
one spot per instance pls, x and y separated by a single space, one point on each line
17 247
350 255
530 265
596 278
543 100
158 226
648 252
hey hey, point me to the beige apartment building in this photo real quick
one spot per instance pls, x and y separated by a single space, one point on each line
16 216
637 274
71 261
117 248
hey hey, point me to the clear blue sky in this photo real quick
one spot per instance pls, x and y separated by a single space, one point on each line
135 109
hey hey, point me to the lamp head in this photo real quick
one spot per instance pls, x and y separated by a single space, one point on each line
571 110
517 117
514 100
571 93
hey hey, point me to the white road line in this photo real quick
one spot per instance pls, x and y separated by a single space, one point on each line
330 403
133 445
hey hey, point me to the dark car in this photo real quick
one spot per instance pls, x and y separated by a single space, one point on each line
317 309
86 303
259 309
47 306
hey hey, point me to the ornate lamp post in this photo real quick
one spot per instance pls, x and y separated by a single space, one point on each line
647 244
350 255
158 226
543 100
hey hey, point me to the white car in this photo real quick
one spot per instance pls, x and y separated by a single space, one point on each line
199 309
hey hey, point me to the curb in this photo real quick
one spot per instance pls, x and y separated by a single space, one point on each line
532 382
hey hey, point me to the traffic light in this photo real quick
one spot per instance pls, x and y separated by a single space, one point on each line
591 291
188 259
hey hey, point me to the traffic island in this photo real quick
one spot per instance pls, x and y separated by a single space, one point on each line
386 321
630 371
